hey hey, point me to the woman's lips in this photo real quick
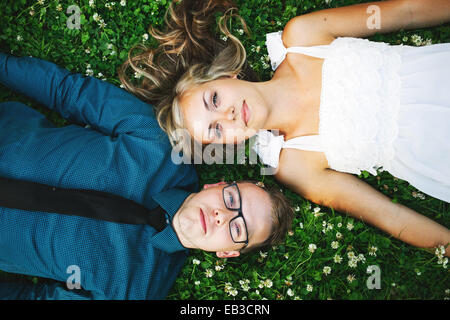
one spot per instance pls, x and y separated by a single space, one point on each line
245 113
202 221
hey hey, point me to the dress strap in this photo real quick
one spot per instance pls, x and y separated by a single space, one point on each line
277 51
268 146
306 143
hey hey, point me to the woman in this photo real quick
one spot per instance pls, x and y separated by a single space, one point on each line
341 104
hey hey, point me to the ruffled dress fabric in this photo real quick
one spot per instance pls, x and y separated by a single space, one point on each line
383 107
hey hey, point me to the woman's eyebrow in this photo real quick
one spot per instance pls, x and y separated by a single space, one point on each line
205 103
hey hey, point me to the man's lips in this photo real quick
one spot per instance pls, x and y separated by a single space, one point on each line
245 113
202 221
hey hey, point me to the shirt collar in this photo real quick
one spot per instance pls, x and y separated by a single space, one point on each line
170 201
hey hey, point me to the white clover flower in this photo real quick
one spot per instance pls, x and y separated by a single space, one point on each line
361 258
241 32
350 226
338 235
416 39
196 261
351 278
317 212
309 288
261 284
209 273
263 254
312 247
326 270
197 283
268 283
297 209
19 38
123 3
351 255
286 255
405 39
245 284
353 263
145 36
335 244
339 225
427 42
290 292
218 268
337 259
91 3
96 17
41 2
137 75
31 12
373 251
102 24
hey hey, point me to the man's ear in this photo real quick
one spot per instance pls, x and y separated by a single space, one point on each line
228 254
206 186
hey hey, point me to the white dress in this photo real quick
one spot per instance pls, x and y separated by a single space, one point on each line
382 107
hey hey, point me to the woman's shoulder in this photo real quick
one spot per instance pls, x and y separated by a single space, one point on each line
301 32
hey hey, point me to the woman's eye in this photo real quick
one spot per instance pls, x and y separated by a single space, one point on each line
214 99
218 130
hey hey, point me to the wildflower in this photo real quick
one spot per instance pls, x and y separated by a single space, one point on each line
297 209
123 3
197 283
361 258
87 50
263 254
96 17
350 278
350 226
268 283
301 225
230 290
337 259
91 3
196 261
19 38
426 43
417 271
137 75
416 39
218 268
145 36
209 273
312 247
373 251
309 288
32 12
241 32
286 256
41 2
326 270
317 212
405 39
59 7
290 292
335 245
338 235
290 233
352 263
102 24
351 255
339 225
245 284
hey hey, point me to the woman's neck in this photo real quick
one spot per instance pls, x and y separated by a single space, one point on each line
285 105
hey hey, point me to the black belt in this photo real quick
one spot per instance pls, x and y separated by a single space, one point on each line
31 196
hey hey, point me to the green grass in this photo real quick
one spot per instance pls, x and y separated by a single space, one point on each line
282 272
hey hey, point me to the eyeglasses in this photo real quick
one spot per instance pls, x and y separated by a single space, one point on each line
238 226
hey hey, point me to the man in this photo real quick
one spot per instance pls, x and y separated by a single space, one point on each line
116 148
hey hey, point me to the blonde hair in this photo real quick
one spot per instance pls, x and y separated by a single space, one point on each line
188 54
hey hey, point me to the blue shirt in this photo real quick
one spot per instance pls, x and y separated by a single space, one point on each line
115 145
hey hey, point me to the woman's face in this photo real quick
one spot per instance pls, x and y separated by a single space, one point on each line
227 110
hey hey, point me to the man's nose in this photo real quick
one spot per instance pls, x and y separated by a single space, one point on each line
221 217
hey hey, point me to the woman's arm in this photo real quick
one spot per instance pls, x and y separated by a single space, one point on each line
366 19
347 193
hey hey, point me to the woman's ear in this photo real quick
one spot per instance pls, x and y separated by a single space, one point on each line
206 186
228 254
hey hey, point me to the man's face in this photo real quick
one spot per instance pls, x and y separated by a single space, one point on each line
203 221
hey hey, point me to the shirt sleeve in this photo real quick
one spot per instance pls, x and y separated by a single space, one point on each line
83 100
54 291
